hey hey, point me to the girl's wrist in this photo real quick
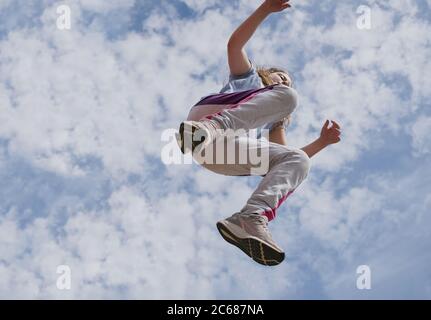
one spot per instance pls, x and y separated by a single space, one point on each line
277 128
322 142
279 125
265 8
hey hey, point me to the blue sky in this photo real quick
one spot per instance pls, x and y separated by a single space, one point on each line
83 184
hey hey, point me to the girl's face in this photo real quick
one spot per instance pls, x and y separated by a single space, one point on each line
281 77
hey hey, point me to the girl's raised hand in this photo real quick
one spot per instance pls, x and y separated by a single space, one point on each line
330 135
277 5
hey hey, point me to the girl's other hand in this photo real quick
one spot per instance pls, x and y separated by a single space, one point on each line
330 135
276 5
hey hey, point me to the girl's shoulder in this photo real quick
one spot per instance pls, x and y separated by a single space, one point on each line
245 81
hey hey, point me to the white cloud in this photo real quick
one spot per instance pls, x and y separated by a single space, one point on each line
112 89
103 6
200 6
51 122
381 224
331 219
350 83
98 247
138 247
5 3
70 96
421 132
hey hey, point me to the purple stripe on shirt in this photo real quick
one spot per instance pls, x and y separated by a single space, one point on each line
231 98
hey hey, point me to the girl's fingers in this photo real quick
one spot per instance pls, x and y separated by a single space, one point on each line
334 131
285 4
326 124
336 125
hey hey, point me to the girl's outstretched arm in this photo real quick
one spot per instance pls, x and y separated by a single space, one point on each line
327 137
237 57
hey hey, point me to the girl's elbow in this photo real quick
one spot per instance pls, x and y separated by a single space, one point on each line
233 44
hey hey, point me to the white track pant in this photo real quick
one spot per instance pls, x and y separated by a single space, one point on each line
282 168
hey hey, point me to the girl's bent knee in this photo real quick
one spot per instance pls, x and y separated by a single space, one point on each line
289 97
304 161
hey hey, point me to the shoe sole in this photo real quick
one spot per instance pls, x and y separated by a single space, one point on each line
186 133
258 250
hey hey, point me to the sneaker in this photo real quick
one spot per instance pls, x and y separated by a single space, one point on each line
194 134
250 233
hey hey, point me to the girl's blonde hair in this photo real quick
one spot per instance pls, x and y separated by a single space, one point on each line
265 72
267 81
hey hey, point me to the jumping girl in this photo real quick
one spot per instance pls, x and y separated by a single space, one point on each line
254 98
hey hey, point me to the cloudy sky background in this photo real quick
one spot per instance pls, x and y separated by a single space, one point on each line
82 183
